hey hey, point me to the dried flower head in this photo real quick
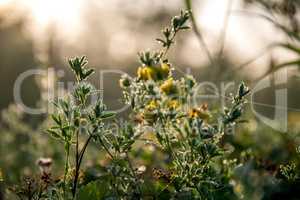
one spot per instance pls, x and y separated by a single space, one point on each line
45 164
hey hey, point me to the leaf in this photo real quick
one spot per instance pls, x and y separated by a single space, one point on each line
57 119
184 27
161 41
88 73
107 114
54 134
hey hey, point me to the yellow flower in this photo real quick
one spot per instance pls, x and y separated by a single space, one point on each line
201 112
149 114
151 73
164 70
193 113
141 73
168 86
173 104
152 105
147 73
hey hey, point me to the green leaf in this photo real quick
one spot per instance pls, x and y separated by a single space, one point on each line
54 134
57 119
107 114
88 73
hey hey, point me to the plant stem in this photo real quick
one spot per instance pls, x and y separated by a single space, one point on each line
165 51
105 148
78 163
66 168
223 33
188 4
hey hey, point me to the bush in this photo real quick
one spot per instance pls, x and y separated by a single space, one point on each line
186 136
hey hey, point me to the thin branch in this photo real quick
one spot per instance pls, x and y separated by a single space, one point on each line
78 163
105 148
251 60
223 33
198 34
280 66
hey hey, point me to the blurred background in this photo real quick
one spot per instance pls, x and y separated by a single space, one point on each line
37 33
236 44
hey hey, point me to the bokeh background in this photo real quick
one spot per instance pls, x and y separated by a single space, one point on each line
37 33
41 34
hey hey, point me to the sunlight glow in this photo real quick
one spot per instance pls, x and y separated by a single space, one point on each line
242 35
4 2
212 14
63 12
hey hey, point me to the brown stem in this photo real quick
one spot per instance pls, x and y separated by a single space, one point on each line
78 163
197 32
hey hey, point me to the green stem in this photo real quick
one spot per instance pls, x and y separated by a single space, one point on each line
67 152
105 148
165 51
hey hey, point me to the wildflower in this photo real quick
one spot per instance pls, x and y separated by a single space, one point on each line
147 73
201 112
141 169
141 73
168 86
45 164
173 104
152 105
164 70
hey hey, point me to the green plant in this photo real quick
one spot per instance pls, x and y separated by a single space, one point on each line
76 116
186 131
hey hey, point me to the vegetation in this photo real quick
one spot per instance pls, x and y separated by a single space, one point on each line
171 146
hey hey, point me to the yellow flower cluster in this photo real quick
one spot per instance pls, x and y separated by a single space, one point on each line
202 112
152 105
153 72
168 87
173 104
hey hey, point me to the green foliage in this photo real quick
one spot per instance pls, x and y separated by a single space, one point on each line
93 190
164 114
78 66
